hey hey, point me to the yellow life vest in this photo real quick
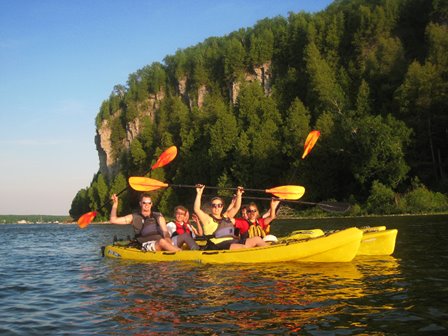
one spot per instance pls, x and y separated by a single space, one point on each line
255 230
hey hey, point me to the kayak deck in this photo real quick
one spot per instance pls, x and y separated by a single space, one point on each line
376 240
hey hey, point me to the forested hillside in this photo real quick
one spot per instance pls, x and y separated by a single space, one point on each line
372 76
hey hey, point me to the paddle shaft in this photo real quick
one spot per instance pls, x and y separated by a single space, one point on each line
280 199
207 187
327 206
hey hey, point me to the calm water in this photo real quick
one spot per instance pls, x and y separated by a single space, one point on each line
53 281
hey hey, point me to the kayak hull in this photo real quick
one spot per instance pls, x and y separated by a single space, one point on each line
341 246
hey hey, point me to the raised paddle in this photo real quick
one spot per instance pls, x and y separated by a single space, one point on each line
166 157
328 206
291 192
310 142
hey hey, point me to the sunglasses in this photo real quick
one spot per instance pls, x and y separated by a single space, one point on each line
251 211
147 202
217 205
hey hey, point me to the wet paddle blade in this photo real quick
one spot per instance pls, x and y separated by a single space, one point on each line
310 141
166 157
288 192
145 183
86 219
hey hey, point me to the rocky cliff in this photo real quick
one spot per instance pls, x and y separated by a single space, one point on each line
109 164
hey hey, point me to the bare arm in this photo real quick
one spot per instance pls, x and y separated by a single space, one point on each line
272 214
163 227
114 219
203 217
231 212
199 231
232 203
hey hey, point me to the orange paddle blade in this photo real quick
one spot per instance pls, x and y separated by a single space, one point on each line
289 192
310 142
86 219
145 183
166 157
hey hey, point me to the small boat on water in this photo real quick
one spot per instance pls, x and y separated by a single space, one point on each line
340 246
376 240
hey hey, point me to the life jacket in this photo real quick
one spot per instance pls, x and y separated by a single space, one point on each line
146 228
255 230
181 228
225 227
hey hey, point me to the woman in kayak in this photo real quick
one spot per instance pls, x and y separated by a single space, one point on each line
221 226
254 225
149 227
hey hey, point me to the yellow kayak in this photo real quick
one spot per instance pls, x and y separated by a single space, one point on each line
375 241
340 246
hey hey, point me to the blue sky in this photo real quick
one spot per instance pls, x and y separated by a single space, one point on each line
59 59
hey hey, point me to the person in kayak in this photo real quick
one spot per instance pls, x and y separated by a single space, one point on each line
254 225
149 226
221 226
181 230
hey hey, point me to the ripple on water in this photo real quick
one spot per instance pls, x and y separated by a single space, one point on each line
54 281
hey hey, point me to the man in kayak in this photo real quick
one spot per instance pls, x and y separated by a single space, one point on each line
221 226
149 227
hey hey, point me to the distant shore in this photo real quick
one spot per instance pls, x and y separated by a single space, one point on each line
280 218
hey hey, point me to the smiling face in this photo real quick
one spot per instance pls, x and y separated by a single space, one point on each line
145 205
179 214
252 212
217 205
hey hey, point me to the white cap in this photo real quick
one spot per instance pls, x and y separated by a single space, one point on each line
270 238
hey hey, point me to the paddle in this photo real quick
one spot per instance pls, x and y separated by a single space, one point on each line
328 206
166 157
310 142
290 192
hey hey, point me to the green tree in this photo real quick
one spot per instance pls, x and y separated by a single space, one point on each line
234 59
261 46
325 92
295 128
80 204
117 136
377 148
223 132
381 199
118 185
420 98
138 157
147 134
422 200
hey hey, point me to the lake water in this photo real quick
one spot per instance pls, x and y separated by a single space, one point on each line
53 281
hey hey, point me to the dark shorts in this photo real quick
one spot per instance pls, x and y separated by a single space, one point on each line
225 245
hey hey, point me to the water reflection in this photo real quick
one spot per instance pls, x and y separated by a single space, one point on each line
273 298
369 296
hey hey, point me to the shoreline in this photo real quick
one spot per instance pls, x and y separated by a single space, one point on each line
280 218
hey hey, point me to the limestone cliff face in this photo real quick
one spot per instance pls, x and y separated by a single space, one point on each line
261 74
109 164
